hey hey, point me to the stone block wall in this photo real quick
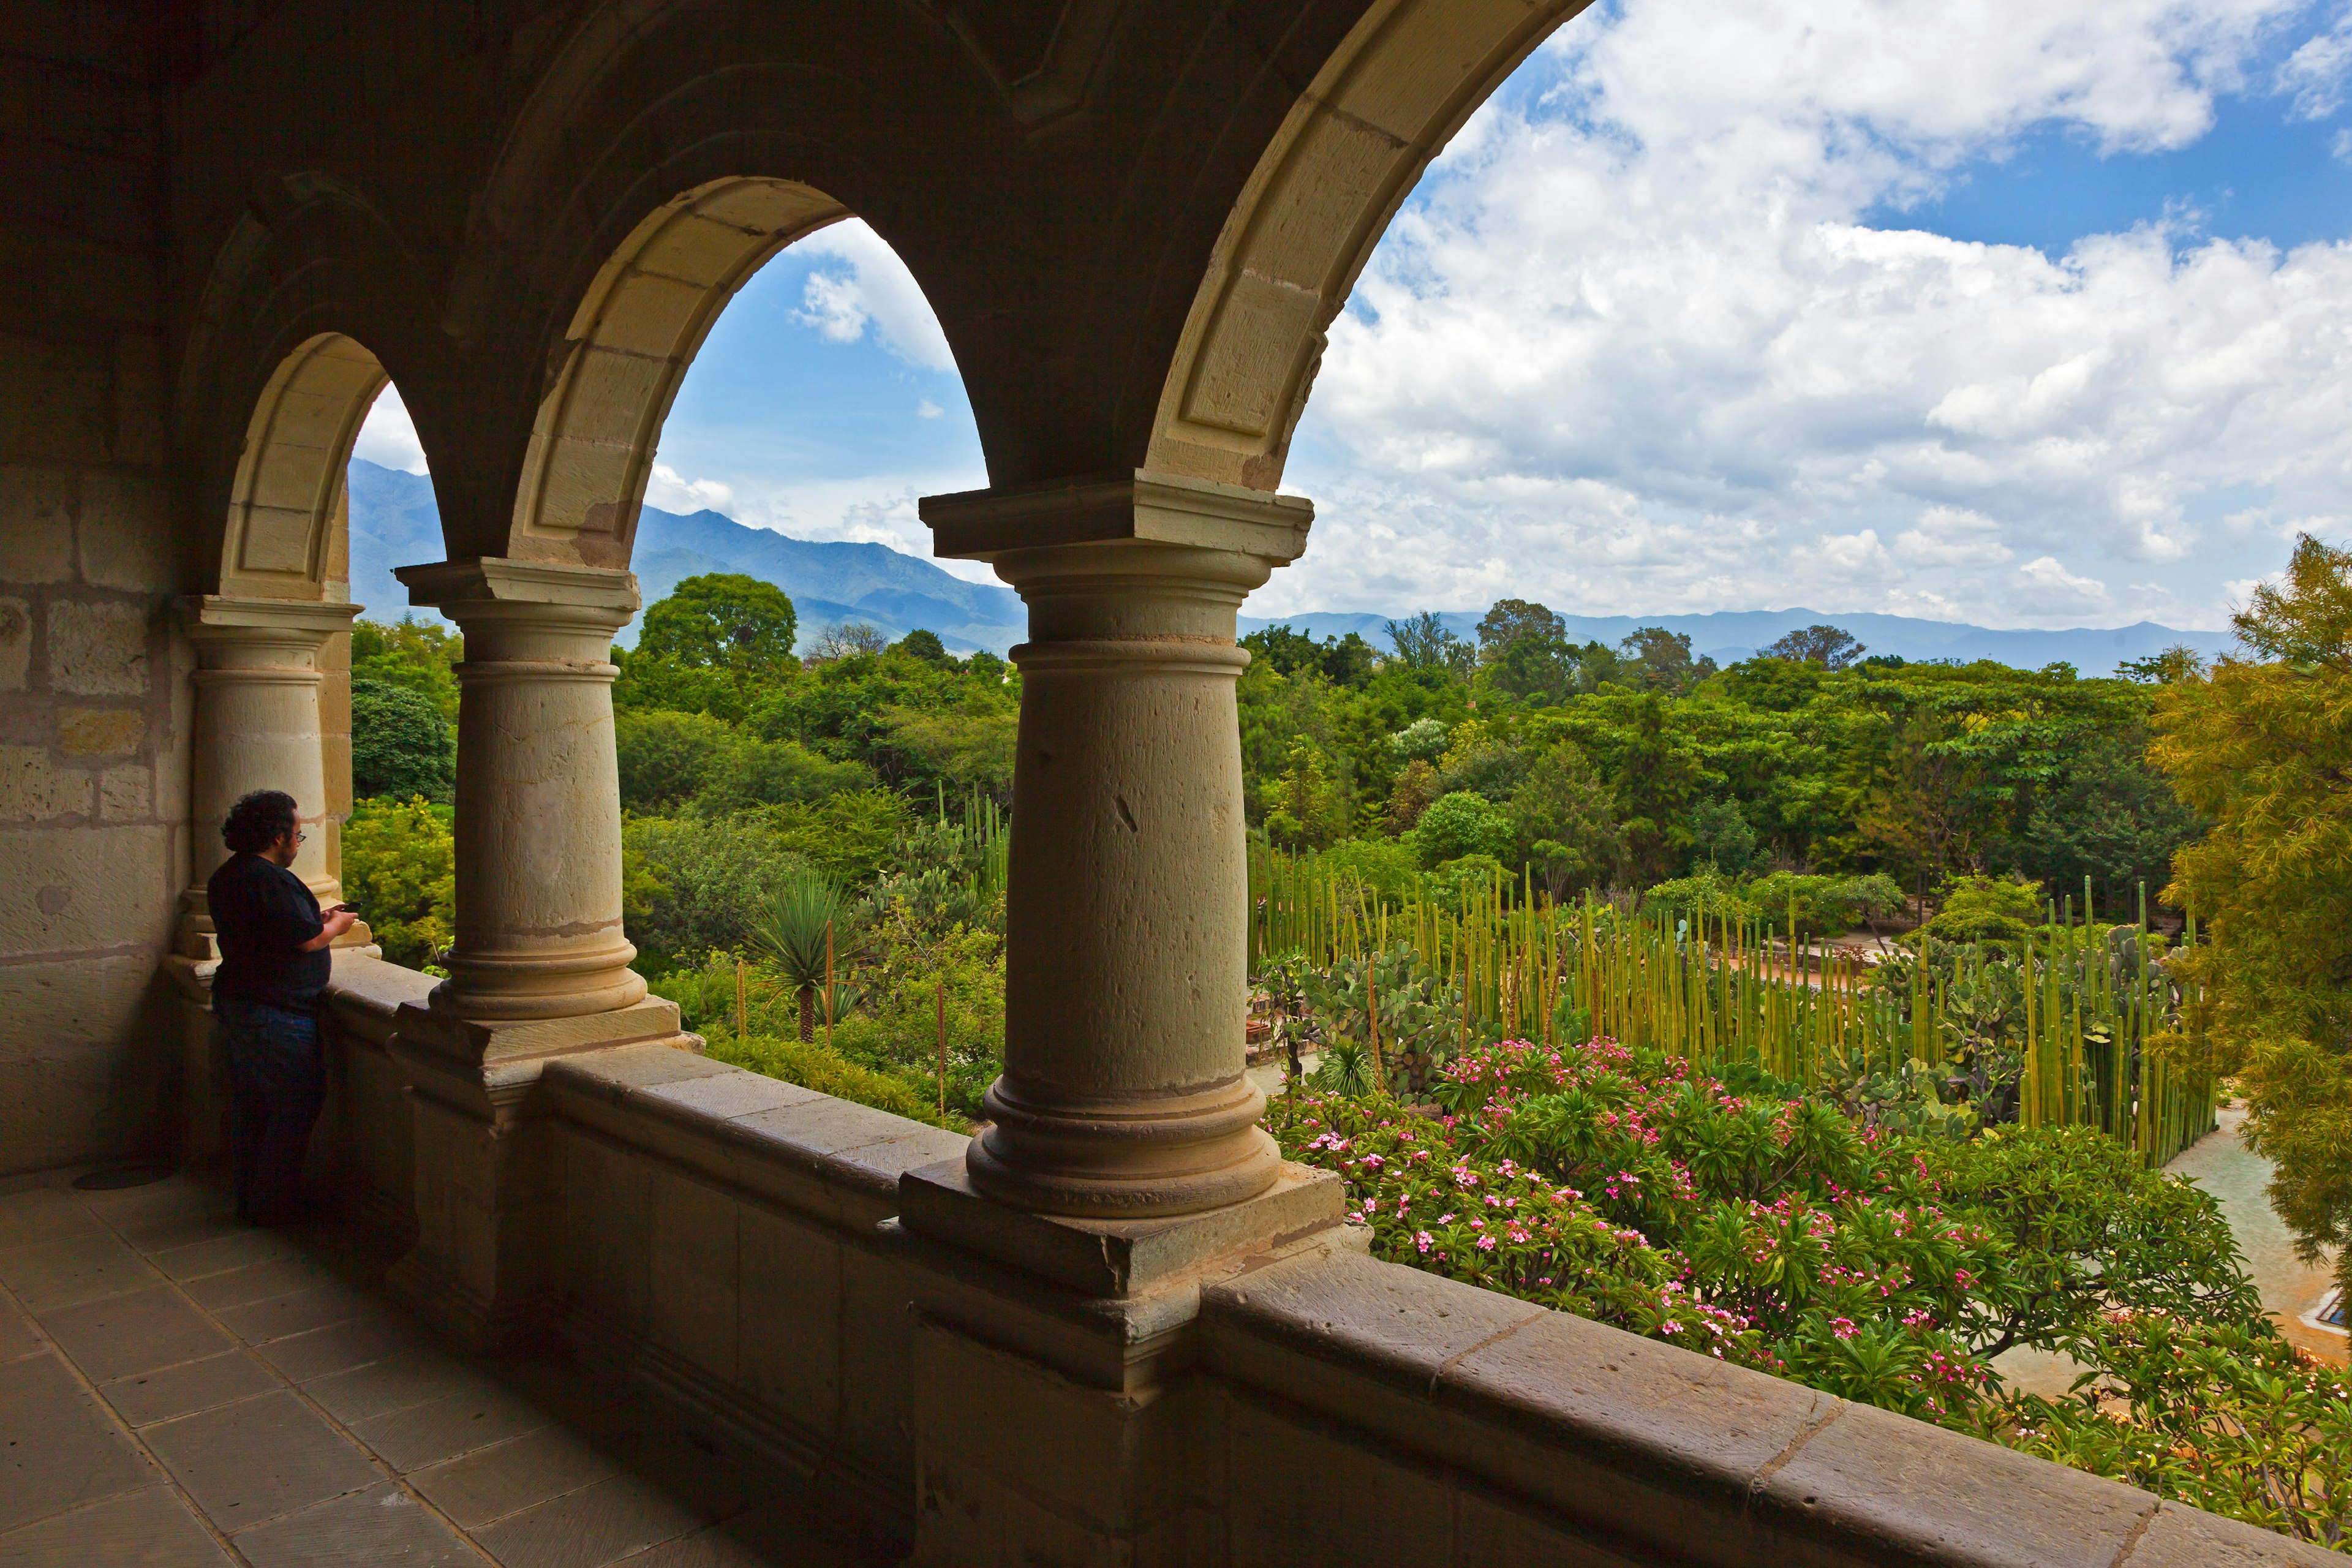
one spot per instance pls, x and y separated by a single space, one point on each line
93 689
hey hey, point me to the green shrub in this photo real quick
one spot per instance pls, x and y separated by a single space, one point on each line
827 1071
401 746
712 875
1382 865
1986 908
667 758
400 870
1462 824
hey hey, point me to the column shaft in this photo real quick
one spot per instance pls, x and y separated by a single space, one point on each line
1123 1093
257 727
539 807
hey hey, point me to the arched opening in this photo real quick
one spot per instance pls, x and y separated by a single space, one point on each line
612 377
288 509
273 683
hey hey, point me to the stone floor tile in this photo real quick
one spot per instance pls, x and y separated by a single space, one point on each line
179 1195
596 1525
382 1526
172 1229
444 1428
150 1529
71 1269
260 1323
283 1276
58 1447
339 1347
183 1390
490 1483
776 1536
121 1336
18 1336
252 1461
417 1375
43 1213
236 1246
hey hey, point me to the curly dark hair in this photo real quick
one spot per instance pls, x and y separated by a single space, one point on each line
258 820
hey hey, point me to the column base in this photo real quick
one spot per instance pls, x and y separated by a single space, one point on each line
1078 1334
1115 1258
489 1215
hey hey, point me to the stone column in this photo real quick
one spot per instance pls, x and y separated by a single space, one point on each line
539 966
257 727
539 792
1123 1094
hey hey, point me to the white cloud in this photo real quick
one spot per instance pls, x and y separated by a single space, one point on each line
388 437
2316 75
1635 347
871 288
667 489
927 409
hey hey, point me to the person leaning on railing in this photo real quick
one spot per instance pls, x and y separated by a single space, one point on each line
274 967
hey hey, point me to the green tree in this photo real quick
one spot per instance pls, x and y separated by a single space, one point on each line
400 870
1660 661
1819 645
722 620
1462 824
925 645
401 745
1422 643
1307 812
2262 746
422 656
1564 824
1510 621
667 758
1721 837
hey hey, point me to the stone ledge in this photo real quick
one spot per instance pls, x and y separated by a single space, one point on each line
1116 1256
366 993
1683 1453
831 1158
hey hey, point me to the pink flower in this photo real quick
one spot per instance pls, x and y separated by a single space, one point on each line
1843 1328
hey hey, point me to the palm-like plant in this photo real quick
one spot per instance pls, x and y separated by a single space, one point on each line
795 926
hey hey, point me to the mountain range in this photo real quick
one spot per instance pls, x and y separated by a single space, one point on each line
1729 635
396 523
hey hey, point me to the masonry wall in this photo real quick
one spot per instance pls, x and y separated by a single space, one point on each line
93 689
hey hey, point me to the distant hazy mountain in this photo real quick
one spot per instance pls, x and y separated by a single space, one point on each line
1729 635
396 523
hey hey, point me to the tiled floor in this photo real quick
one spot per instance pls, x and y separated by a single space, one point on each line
177 1389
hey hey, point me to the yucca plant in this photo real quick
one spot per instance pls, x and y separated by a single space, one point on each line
797 922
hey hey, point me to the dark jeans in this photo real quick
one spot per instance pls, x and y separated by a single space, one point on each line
278 1080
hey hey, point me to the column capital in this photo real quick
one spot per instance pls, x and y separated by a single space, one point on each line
1137 508
456 586
236 617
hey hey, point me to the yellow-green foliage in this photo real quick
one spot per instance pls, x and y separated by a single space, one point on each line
400 869
827 1071
2264 746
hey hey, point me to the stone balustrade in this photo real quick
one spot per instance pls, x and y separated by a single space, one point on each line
735 1245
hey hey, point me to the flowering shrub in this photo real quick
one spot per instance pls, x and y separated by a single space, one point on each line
2227 1416
1771 1232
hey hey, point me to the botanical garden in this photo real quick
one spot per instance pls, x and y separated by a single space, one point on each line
1828 1013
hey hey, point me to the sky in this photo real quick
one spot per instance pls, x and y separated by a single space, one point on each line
2026 314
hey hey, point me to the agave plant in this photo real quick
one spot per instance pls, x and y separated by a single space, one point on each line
795 926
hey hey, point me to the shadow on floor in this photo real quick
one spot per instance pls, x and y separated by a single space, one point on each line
179 1389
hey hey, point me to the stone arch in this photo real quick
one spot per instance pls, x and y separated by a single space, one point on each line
287 533
619 362
1357 140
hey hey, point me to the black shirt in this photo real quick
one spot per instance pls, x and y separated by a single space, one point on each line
263 914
